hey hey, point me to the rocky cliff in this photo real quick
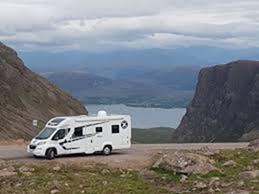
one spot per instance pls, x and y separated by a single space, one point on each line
25 96
225 105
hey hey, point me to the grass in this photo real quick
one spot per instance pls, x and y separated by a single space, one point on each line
228 175
99 179
170 176
77 180
243 158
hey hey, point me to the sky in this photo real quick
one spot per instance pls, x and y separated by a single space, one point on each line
105 25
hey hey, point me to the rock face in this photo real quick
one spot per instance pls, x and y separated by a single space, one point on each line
25 96
225 105
185 163
254 145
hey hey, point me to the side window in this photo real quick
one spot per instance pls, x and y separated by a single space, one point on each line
61 134
98 129
78 132
115 129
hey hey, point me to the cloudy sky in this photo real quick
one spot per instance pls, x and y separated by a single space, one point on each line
104 25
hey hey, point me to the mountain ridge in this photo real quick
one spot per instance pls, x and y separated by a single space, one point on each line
26 96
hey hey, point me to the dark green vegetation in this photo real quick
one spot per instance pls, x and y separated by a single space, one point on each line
251 136
153 135
165 88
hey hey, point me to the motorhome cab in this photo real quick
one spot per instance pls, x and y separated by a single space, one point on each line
82 134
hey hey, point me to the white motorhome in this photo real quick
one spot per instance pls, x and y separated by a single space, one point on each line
82 134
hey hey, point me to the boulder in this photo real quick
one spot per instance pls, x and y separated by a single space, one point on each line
207 151
56 168
105 171
249 174
201 185
240 183
26 170
213 180
256 162
54 191
254 145
7 172
183 178
185 163
230 163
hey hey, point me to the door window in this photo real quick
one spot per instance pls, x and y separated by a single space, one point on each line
99 129
61 134
78 132
115 129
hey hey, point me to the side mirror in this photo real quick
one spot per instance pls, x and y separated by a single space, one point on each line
56 138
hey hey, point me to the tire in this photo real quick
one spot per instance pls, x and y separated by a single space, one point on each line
107 150
50 154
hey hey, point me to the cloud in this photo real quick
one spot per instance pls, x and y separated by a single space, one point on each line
100 25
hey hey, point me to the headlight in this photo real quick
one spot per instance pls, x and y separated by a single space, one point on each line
42 143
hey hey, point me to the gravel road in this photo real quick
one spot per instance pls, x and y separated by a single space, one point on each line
138 157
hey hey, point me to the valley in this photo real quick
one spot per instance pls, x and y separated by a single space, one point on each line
129 97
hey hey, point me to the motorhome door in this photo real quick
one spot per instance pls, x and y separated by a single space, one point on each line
76 143
90 140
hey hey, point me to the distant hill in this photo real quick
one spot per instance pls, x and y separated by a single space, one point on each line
25 96
167 89
175 78
152 136
225 107
107 63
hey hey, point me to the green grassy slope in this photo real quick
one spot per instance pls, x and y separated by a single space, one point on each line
153 135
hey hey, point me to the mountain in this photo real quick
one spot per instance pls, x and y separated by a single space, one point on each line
77 81
225 106
25 96
144 90
177 78
107 63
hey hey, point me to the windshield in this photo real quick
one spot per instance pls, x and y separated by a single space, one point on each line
46 133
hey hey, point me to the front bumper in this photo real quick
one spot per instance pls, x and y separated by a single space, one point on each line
36 150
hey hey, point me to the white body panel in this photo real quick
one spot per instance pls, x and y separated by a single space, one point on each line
84 134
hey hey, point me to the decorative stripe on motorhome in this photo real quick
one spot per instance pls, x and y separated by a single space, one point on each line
80 138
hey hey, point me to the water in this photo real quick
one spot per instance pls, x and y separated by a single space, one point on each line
144 117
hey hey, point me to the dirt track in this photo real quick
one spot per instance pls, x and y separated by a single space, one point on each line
138 157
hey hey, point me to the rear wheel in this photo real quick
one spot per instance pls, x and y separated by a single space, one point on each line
107 150
51 153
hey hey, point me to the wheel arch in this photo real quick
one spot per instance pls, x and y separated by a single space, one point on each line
107 144
55 150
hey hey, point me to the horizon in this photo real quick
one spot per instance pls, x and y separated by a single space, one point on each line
229 29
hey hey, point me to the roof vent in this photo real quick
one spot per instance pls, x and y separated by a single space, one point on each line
102 113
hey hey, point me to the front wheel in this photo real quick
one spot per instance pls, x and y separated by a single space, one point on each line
107 150
50 155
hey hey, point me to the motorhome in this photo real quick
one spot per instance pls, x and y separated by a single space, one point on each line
82 134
